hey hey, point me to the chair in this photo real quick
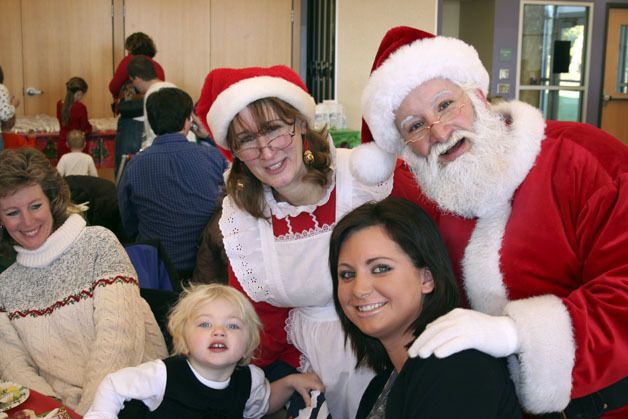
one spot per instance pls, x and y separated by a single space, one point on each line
211 259
102 200
160 303
123 161
154 269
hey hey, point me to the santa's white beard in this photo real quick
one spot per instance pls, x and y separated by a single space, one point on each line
477 182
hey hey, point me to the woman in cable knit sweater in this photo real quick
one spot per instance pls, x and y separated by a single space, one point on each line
70 308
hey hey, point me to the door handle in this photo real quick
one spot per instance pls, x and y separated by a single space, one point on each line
33 91
607 98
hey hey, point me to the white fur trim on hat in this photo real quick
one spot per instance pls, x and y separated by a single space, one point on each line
407 68
371 164
237 96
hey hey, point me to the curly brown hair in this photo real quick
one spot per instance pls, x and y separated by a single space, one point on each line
245 189
139 43
28 166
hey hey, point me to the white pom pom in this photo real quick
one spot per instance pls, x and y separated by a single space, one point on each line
371 164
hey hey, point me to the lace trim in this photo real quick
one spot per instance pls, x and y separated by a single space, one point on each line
304 362
311 232
288 326
285 209
238 258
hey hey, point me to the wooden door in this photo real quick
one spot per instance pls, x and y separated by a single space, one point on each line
615 100
62 40
251 33
181 33
11 49
194 36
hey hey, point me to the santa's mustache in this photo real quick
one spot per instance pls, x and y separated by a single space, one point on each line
456 136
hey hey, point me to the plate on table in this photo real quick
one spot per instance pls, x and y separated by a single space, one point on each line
12 395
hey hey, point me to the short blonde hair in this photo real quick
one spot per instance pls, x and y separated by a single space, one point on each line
195 295
76 139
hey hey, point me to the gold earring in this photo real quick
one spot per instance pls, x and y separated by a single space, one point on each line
240 185
308 157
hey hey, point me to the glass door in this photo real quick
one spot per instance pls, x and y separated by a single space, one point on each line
554 40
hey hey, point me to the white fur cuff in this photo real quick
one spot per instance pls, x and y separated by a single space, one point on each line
542 371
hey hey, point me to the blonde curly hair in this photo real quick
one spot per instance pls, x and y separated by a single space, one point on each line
193 296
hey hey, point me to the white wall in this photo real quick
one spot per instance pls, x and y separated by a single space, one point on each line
361 25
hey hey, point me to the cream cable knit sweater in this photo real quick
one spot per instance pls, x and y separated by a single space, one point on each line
70 313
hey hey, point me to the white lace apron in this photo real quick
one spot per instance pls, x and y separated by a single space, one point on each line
292 271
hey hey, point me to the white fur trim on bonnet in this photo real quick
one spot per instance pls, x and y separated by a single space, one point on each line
239 95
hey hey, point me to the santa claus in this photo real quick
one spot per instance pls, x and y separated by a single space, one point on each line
534 213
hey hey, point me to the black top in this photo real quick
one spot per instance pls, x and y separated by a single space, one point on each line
186 397
469 384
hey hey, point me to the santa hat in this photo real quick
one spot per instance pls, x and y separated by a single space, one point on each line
229 90
406 58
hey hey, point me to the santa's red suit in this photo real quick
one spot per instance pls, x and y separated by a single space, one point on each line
554 259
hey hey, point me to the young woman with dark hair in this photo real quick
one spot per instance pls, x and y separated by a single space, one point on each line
391 277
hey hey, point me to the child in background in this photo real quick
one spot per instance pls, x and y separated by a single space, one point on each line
8 104
76 162
215 331
71 113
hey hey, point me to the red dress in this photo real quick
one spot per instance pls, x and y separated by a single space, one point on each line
78 120
274 344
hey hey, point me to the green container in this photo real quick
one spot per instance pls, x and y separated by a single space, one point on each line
345 138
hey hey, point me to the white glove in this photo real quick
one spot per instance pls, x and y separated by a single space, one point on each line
462 329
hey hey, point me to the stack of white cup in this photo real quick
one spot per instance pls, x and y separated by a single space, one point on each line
330 113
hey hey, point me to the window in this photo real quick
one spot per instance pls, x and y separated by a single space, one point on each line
554 57
321 48
622 68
